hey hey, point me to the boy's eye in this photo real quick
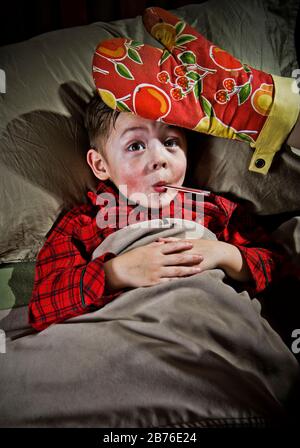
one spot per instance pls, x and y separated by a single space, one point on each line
136 146
172 142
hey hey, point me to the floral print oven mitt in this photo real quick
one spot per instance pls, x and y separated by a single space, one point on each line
192 83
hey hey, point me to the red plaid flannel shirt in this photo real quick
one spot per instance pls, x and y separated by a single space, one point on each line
69 283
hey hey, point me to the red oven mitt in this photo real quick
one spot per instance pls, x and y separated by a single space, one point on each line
190 83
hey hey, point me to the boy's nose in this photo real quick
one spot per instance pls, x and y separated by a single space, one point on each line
158 158
159 164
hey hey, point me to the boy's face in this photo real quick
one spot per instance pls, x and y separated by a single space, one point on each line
140 153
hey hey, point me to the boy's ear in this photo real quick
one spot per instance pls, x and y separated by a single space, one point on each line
97 164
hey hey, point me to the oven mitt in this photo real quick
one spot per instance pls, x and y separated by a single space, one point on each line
194 84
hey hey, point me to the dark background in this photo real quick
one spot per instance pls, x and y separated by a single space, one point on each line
23 19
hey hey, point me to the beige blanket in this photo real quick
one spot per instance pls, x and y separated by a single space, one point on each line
191 352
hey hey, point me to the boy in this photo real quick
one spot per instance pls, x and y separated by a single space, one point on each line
144 155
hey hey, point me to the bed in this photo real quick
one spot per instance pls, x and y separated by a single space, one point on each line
197 354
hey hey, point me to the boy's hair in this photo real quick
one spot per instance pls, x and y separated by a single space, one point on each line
99 119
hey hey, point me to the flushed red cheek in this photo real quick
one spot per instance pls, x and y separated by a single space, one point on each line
132 183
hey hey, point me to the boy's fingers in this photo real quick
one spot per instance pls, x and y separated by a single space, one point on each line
163 280
172 238
156 243
179 271
176 246
182 259
168 238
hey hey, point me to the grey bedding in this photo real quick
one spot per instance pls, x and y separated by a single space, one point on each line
190 352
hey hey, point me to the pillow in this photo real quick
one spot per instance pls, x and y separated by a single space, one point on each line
43 142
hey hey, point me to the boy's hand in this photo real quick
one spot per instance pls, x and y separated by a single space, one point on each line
217 254
152 264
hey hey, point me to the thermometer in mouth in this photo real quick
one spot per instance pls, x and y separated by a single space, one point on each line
188 190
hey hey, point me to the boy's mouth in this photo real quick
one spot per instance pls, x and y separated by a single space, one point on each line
160 187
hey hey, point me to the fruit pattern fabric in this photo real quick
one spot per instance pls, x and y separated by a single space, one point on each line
190 83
